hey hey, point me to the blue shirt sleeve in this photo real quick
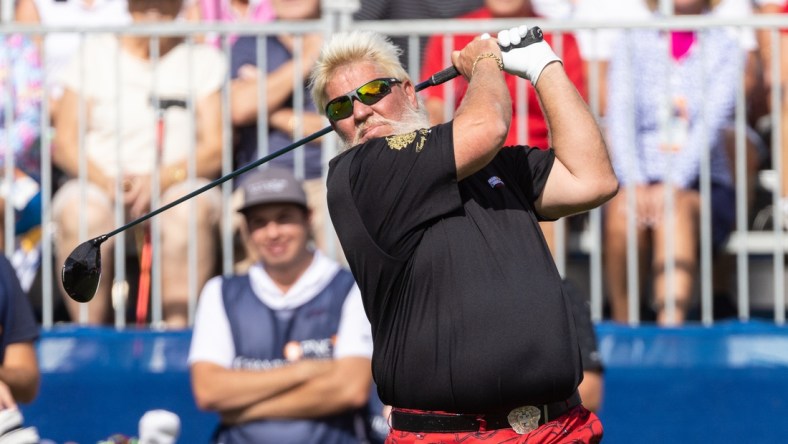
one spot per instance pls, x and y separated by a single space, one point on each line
19 324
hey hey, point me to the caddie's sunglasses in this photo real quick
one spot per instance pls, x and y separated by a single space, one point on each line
369 93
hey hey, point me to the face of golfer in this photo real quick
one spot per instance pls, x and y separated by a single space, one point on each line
369 121
279 234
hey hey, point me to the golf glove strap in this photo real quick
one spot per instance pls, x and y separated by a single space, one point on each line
526 62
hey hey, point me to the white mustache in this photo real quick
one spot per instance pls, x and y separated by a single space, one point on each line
412 119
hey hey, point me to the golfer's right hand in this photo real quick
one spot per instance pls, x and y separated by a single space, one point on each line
521 60
465 59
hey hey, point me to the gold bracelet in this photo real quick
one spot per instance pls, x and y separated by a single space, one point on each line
487 55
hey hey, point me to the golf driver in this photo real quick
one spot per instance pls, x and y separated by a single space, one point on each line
82 270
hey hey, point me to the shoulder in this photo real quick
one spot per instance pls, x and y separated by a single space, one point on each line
213 288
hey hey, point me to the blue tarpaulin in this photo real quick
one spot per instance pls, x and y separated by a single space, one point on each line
723 384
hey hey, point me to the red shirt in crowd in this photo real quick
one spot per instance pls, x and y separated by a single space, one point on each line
535 123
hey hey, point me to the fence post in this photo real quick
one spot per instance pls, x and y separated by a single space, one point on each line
339 13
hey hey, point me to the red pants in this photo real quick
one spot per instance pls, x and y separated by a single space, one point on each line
577 426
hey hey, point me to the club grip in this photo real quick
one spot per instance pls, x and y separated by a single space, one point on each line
534 35
438 78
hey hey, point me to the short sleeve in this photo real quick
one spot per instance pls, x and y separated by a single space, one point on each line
531 167
211 70
19 323
354 337
212 339
243 52
77 75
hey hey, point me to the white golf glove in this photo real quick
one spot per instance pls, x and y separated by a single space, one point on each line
525 61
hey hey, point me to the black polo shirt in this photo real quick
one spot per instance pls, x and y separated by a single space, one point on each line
465 301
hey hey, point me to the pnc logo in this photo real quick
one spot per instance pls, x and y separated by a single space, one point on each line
310 348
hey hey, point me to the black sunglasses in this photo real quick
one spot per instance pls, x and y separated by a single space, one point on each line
369 93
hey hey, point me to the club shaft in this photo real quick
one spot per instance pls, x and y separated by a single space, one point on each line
220 181
436 79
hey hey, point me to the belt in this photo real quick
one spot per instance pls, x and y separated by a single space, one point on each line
522 419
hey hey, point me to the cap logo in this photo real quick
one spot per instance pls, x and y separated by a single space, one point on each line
268 186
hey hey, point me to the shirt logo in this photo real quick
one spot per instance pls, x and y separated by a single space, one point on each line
400 141
496 182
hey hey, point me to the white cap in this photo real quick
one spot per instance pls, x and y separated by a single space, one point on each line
159 427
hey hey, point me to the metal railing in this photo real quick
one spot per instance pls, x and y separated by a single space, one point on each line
746 245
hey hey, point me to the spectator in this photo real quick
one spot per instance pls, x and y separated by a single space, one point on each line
136 141
19 374
777 7
413 9
596 45
60 47
701 76
534 126
228 11
439 226
764 40
282 353
280 112
20 84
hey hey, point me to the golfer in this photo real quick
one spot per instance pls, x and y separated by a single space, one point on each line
474 339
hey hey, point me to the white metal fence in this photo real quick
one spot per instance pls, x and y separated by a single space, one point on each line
759 255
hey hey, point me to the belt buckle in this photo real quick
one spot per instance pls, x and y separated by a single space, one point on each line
524 419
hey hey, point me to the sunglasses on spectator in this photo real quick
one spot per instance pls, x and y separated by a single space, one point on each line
369 94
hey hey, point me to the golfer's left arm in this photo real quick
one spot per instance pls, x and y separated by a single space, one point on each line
582 176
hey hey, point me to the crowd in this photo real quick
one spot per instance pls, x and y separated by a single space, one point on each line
155 121
124 133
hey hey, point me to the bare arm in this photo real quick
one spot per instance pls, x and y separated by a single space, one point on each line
346 386
20 371
482 119
279 84
221 389
66 152
765 44
582 176
284 119
591 390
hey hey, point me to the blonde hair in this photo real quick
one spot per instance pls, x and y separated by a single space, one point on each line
354 47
